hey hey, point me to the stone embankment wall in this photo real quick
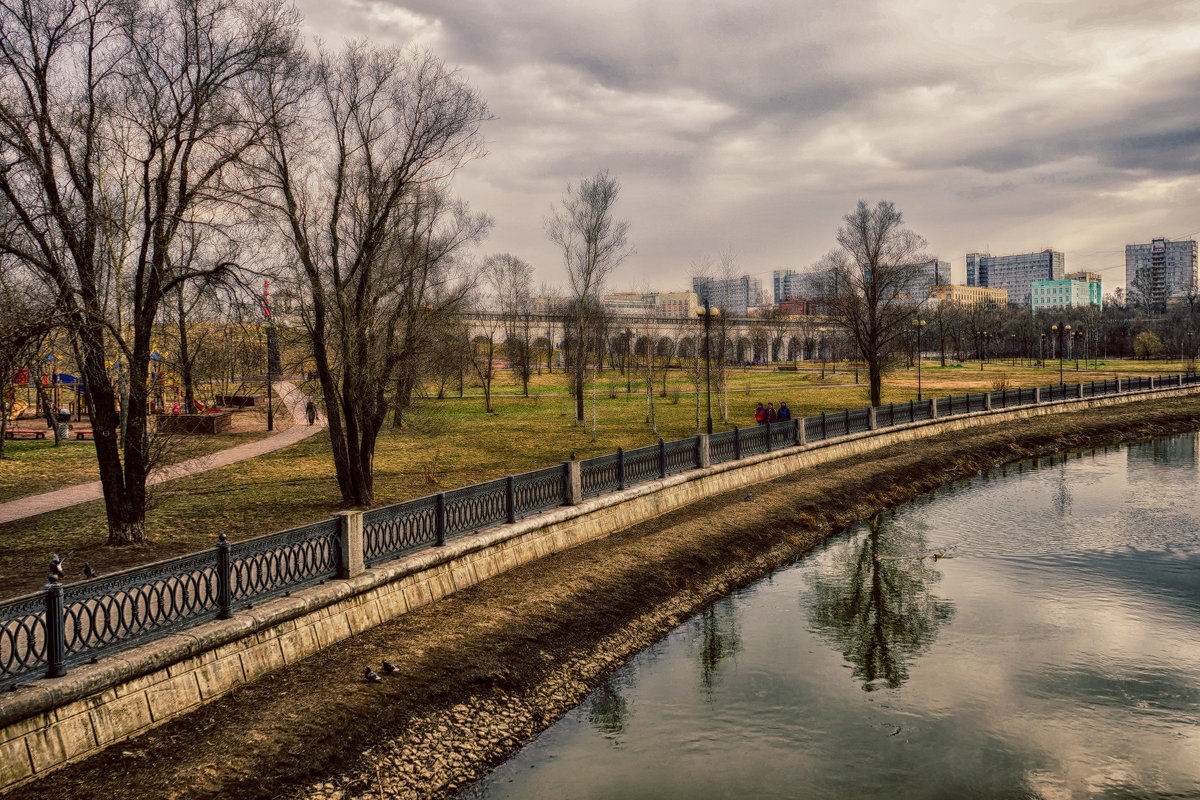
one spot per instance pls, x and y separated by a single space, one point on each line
48 723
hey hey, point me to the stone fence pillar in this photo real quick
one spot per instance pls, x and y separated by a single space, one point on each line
350 542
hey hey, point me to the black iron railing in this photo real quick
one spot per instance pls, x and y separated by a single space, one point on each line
44 633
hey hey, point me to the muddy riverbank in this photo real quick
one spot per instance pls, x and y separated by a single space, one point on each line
483 671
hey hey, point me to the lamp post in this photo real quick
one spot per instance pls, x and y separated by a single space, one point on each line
1013 348
628 350
1060 330
1077 335
918 324
1042 352
267 315
982 348
707 314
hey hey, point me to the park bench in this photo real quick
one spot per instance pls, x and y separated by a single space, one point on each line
33 433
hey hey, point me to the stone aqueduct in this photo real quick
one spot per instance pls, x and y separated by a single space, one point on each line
746 339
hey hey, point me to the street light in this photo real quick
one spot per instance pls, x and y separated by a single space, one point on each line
270 330
1060 329
628 350
707 314
1042 352
918 324
982 348
1013 348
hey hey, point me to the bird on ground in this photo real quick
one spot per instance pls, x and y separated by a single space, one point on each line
88 570
372 676
748 495
389 668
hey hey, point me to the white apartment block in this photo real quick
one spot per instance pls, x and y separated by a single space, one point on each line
1162 269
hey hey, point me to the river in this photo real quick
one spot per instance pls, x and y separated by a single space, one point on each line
1031 633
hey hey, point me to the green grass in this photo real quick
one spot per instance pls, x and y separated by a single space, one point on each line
444 444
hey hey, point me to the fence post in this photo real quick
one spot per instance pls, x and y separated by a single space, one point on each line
56 642
872 423
1079 390
350 542
662 458
510 498
620 468
572 482
846 418
703 459
737 443
224 581
1037 395
933 409
439 515
800 434
987 401
768 436
824 432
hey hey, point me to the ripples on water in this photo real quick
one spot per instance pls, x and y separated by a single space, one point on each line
1050 650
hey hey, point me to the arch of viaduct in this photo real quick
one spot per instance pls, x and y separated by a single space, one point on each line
747 339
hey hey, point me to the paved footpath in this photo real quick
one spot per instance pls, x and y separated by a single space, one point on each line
293 398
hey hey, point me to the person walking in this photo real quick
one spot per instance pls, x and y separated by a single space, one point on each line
772 414
785 413
310 411
760 414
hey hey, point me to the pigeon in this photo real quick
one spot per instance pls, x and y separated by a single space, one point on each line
748 496
389 668
88 570
372 676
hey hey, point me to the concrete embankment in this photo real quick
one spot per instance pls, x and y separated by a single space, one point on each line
485 668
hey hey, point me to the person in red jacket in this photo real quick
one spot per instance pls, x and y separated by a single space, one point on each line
760 414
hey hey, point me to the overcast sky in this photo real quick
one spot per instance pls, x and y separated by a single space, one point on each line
755 126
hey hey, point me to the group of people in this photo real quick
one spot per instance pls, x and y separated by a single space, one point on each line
770 414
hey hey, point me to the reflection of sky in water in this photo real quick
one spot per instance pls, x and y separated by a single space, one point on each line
1054 653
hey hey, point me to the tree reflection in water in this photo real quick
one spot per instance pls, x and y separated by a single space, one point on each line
718 639
876 604
608 710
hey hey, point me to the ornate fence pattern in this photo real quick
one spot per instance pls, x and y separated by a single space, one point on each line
42 634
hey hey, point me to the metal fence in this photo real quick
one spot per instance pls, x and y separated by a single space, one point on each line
44 633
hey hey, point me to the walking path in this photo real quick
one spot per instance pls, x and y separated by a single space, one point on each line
292 397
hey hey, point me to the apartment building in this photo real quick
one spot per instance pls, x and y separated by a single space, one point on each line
1015 273
1161 270
970 296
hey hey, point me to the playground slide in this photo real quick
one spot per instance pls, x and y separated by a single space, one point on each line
17 409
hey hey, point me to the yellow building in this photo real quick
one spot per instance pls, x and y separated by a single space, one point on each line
969 295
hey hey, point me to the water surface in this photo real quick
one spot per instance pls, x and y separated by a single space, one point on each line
1033 633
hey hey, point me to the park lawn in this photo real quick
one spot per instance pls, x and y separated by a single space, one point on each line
33 466
444 444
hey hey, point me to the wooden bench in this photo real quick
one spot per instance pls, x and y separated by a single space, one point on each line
13 433
81 435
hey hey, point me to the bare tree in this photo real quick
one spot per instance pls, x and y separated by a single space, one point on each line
119 124
872 274
593 243
358 185
510 282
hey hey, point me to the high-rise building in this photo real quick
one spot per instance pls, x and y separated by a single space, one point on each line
780 284
1015 273
734 296
1160 271
931 273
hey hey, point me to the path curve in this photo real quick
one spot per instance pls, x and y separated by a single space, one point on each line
292 397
